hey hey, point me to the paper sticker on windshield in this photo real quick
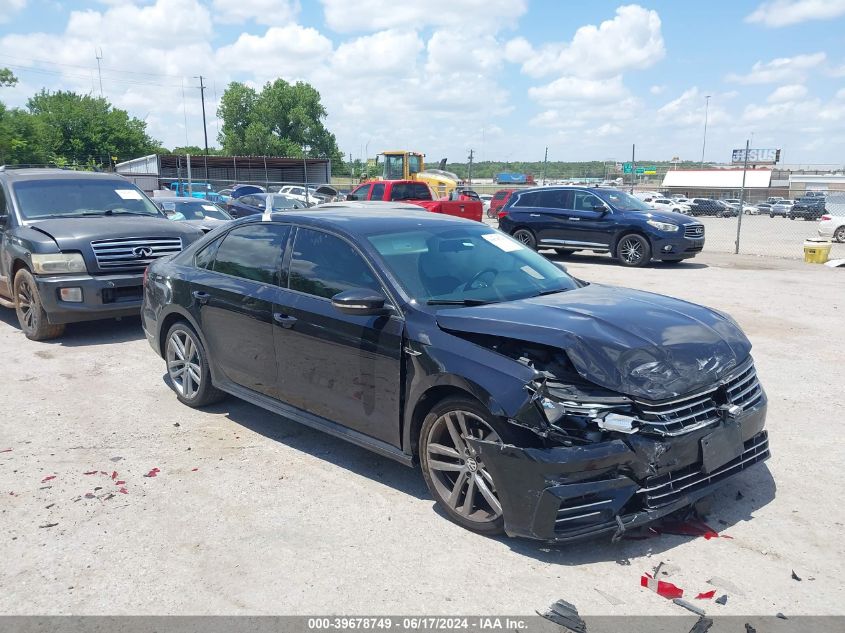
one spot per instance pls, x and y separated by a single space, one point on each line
129 194
209 207
500 241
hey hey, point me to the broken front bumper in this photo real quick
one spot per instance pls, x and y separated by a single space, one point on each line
569 493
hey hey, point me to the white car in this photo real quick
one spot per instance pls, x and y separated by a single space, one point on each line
298 193
665 204
832 226
486 198
750 209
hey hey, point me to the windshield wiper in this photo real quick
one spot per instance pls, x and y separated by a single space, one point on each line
550 292
458 302
115 212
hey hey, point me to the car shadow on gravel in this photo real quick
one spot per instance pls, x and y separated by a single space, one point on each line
105 332
732 504
606 260
323 446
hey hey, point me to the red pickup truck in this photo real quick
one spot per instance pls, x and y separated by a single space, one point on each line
418 193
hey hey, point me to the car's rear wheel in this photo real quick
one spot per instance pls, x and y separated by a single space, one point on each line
720 214
30 310
839 234
633 250
187 367
526 236
564 252
771 215
454 472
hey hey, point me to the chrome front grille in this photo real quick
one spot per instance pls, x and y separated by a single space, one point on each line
686 414
694 231
662 489
133 252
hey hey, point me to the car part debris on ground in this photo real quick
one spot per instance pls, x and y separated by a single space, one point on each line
661 587
707 595
686 605
723 600
566 615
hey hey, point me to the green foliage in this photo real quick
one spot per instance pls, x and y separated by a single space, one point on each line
24 139
193 150
7 78
277 121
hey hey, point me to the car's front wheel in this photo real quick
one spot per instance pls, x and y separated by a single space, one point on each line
455 473
187 367
30 310
633 250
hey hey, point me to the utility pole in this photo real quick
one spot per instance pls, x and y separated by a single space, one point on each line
741 197
98 53
469 172
545 162
204 128
633 166
351 172
706 111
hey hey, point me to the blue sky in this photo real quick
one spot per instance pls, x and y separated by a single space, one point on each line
504 77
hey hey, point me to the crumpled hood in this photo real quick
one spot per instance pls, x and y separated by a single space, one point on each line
73 233
636 343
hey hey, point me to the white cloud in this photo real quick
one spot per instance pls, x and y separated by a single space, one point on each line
790 92
571 90
780 69
374 15
657 89
261 11
631 40
9 7
689 109
389 52
290 52
778 13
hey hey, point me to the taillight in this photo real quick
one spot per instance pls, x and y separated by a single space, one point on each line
501 214
827 217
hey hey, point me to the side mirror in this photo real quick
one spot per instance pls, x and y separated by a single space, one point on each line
600 208
351 196
360 302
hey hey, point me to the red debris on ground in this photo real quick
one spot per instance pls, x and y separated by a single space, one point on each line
153 473
123 491
114 474
119 482
707 595
691 527
661 587
90 472
48 478
193 470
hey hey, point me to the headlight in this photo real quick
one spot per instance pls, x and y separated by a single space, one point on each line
663 226
58 263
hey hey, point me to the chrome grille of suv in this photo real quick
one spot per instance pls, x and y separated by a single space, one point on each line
694 231
133 252
683 415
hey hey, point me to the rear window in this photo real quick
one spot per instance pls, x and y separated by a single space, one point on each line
500 195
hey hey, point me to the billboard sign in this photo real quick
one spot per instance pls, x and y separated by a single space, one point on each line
756 156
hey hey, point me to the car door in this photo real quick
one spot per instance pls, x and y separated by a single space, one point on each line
5 255
345 368
583 225
233 300
544 212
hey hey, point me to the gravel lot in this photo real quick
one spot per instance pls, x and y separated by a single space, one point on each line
250 513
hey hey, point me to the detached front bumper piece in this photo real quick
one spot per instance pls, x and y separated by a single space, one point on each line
570 493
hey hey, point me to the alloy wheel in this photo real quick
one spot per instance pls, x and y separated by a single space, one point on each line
184 363
523 237
457 471
631 250
25 304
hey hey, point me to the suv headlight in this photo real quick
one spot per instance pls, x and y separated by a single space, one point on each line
663 226
58 263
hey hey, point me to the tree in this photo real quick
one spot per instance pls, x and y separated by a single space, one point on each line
88 129
280 120
7 78
24 139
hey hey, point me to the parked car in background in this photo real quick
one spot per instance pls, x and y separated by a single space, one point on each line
763 208
731 202
570 219
202 214
535 404
486 198
417 193
297 192
808 208
74 246
223 195
667 204
499 200
774 199
727 210
256 203
780 208
194 189
243 190
750 209
832 227
705 206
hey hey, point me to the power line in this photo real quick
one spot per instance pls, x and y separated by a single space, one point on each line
106 69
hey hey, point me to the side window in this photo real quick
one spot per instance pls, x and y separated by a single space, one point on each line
362 192
253 252
400 192
585 201
554 199
378 191
499 195
3 210
247 200
205 257
324 265
529 199
421 191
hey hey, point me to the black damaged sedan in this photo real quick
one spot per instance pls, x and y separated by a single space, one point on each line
535 403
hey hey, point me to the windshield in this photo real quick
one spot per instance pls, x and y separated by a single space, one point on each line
621 201
283 202
198 210
78 197
394 167
467 265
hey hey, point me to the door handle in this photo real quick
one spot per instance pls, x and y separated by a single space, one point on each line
534 215
201 297
285 320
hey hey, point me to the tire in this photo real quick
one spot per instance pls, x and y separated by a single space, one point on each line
564 252
839 234
633 250
791 217
191 381
441 445
30 310
720 214
771 215
671 261
491 214
526 237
